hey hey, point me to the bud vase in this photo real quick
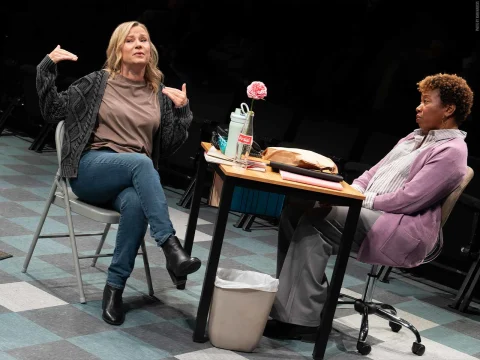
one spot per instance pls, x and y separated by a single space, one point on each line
244 142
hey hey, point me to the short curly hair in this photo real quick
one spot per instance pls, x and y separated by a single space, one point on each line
454 90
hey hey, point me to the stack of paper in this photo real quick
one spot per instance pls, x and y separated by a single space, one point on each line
310 180
216 156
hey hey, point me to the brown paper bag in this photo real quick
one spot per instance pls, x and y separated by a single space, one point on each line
299 157
215 191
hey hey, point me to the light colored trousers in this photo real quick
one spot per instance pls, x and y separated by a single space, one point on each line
306 240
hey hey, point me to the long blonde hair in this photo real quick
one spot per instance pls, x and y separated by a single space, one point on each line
153 75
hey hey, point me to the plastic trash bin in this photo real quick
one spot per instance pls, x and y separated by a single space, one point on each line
241 303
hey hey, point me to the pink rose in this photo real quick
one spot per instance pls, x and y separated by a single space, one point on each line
257 90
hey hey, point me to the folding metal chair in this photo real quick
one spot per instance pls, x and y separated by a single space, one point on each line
61 195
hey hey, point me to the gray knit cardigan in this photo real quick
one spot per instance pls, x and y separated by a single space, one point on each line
79 105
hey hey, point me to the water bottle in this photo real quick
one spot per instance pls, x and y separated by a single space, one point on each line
237 119
245 142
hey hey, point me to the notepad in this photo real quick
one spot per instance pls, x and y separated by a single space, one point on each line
310 180
215 156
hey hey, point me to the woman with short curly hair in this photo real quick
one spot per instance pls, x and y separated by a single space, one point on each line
400 219
452 91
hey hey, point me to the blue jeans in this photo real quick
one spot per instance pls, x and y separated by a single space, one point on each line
129 183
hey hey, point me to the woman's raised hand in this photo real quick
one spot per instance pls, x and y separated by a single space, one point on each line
178 97
58 54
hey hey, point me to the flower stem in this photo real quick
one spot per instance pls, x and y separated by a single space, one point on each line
251 106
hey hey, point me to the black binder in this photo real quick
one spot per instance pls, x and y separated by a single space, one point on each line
276 166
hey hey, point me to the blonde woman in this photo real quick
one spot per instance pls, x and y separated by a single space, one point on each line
119 122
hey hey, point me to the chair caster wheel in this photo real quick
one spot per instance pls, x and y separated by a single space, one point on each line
418 349
394 326
363 348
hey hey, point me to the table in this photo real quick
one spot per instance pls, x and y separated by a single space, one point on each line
269 181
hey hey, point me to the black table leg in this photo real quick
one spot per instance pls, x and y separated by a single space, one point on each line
465 303
185 199
471 249
385 274
212 265
474 268
39 142
194 209
241 220
336 282
195 205
8 111
249 223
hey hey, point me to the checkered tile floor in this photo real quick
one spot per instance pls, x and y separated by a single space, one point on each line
41 317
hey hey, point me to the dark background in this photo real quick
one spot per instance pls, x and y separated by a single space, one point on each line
341 75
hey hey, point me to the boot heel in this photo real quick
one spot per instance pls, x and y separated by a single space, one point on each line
177 280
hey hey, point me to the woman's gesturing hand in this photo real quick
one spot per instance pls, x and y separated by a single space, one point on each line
178 97
58 54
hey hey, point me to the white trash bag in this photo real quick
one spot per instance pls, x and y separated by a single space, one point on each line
243 279
241 300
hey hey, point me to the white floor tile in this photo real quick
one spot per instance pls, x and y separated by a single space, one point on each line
180 218
199 236
401 349
211 354
22 296
350 293
180 221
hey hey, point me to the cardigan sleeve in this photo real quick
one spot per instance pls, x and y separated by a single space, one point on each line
53 105
439 176
174 125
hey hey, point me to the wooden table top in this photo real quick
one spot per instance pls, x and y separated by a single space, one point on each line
272 177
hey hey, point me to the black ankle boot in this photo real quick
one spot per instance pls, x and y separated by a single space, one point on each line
112 306
179 263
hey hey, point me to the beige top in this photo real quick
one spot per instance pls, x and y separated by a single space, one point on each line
128 118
